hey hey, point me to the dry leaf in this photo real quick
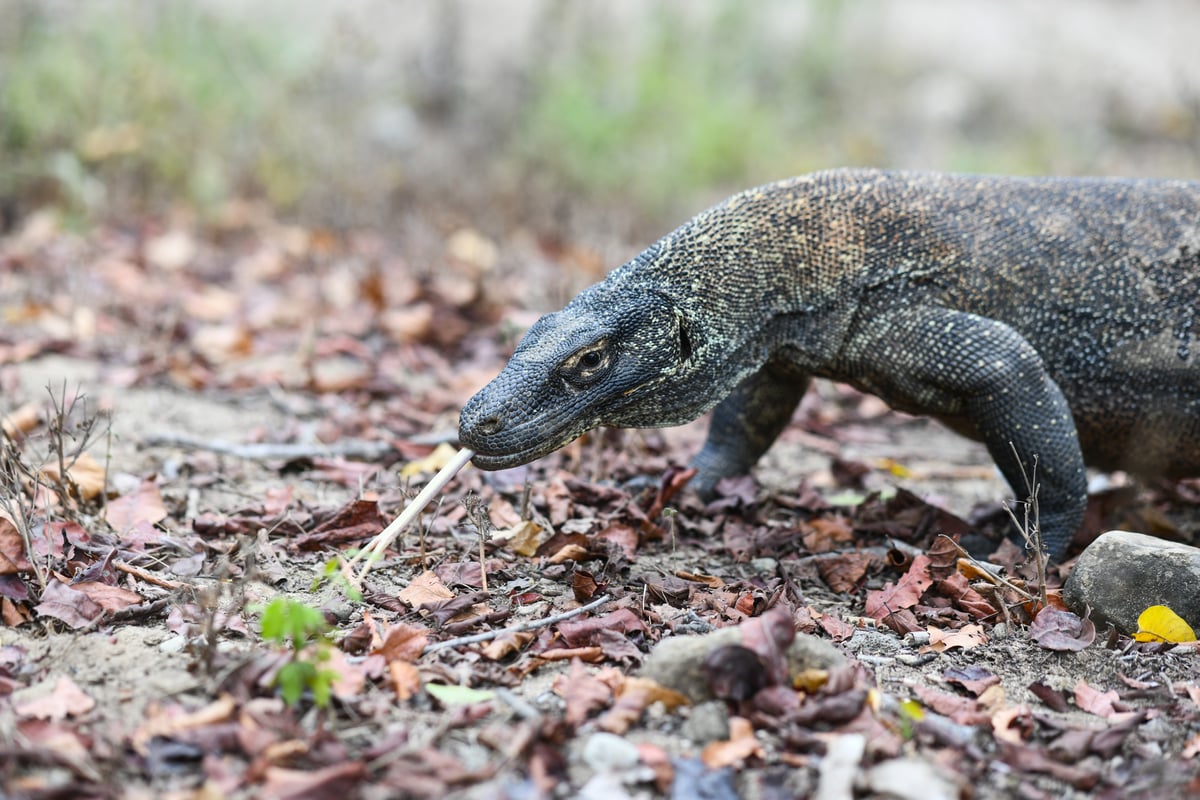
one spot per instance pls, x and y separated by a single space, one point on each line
73 607
85 476
440 457
741 745
21 420
524 538
966 637
142 506
425 588
13 558
41 702
1161 624
406 679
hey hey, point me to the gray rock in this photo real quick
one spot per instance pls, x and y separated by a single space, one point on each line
607 752
675 662
1121 574
707 722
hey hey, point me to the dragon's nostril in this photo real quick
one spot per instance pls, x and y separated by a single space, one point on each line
490 425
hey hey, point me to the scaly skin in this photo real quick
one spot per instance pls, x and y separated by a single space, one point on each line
1053 319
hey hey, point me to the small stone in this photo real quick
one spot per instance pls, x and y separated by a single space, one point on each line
675 662
607 752
1121 574
708 722
764 566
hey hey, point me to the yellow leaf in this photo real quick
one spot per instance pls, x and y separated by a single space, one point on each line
431 463
1161 624
524 538
811 679
895 467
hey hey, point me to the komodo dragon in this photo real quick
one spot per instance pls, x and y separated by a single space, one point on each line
1054 319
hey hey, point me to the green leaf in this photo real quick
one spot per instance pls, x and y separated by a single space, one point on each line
457 695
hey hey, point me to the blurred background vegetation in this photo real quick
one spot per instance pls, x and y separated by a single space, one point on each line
565 115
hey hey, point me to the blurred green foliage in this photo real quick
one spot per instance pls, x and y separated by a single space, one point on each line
345 115
695 102
151 103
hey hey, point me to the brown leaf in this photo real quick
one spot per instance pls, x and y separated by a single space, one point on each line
741 745
64 700
329 783
85 476
973 679
583 693
963 710
1061 630
633 696
109 598
73 607
13 558
1052 697
1092 700
578 632
172 720
843 573
357 520
965 637
958 589
21 420
145 505
906 593
507 644
424 589
402 642
406 679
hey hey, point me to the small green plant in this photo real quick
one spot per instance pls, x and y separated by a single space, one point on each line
302 627
334 572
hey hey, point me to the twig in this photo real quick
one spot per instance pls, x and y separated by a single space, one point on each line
374 550
529 625
267 451
148 577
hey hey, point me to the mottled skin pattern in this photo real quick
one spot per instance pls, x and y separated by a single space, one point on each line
1050 318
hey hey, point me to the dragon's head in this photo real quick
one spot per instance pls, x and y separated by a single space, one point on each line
619 358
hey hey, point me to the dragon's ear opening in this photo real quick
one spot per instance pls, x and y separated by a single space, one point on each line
685 341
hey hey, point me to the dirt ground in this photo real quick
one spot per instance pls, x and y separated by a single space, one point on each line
133 670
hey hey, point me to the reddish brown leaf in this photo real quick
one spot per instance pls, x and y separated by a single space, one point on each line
906 593
958 589
329 783
973 679
402 642
1052 697
577 632
1061 630
623 536
42 701
963 710
583 693
357 520
843 573
145 505
741 745
13 558
1092 700
424 589
73 607
109 598
406 679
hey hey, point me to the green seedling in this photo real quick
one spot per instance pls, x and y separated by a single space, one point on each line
291 623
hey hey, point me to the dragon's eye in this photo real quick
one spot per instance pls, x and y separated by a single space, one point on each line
586 366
